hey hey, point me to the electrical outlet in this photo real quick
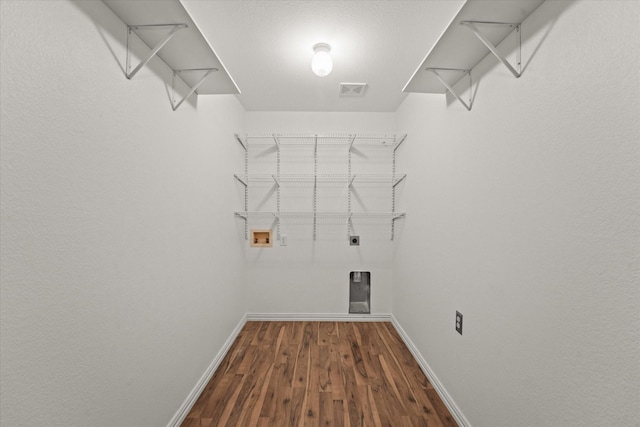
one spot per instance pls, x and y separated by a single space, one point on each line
459 322
283 240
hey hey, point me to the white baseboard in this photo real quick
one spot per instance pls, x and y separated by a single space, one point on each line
186 406
433 379
320 317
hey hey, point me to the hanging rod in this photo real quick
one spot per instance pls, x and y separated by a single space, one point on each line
174 29
449 87
472 26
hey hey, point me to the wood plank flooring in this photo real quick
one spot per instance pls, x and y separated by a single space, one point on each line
342 374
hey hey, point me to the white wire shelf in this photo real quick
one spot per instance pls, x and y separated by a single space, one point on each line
338 154
311 139
322 178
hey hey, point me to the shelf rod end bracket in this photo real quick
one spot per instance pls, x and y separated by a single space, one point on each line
472 26
448 86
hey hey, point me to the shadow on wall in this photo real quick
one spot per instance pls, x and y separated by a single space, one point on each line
545 18
114 34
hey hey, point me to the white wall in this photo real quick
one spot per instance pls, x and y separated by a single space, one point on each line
523 215
121 270
308 276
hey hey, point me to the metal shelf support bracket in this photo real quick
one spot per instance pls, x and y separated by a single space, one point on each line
246 223
242 181
399 143
207 71
240 141
395 216
472 25
399 180
276 140
448 86
353 138
154 50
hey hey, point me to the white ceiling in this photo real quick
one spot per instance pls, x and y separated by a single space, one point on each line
267 48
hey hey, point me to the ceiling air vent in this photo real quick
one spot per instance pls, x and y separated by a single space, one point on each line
352 89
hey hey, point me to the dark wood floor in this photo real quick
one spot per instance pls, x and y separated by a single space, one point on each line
319 374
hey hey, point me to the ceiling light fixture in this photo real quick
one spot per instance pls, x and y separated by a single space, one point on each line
322 64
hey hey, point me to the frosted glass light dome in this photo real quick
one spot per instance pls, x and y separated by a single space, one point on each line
322 64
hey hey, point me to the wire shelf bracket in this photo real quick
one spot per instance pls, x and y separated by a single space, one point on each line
397 181
241 142
472 25
207 71
399 143
436 73
353 138
242 181
174 28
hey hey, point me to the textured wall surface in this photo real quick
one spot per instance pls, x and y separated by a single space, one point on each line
121 270
523 214
308 276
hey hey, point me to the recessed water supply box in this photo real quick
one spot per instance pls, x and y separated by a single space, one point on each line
261 239
360 292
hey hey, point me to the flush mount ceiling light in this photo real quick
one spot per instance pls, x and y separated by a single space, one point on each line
321 64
